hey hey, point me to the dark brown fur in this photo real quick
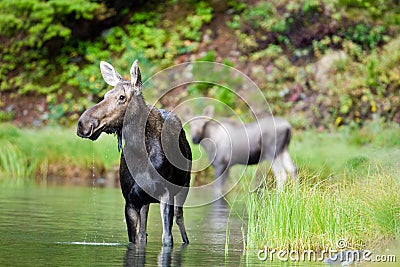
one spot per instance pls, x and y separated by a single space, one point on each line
153 167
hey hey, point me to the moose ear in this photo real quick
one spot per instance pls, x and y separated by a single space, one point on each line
109 74
209 111
136 77
185 112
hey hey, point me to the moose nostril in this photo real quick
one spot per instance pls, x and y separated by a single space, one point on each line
94 123
81 129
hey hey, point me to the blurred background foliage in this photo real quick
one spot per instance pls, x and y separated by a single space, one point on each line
320 63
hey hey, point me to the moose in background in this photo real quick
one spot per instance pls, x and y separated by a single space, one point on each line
228 143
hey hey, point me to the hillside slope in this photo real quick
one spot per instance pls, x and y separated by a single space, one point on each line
320 63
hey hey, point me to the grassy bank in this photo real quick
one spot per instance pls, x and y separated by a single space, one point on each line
364 213
349 190
33 154
26 154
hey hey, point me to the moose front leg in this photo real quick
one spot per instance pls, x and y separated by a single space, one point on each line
167 216
144 211
221 173
132 218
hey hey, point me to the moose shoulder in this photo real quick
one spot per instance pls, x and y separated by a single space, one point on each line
228 143
148 169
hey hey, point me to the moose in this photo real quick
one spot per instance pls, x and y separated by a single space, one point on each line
156 159
228 143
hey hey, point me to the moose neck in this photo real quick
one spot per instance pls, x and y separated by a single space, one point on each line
142 127
207 130
135 122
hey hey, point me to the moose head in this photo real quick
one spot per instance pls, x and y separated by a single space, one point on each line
108 115
197 124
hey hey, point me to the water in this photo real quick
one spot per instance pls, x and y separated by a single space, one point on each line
70 226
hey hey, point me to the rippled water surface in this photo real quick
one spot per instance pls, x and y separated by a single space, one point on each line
69 226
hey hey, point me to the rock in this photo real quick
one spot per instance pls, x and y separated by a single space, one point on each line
345 258
324 66
257 71
9 108
36 123
100 182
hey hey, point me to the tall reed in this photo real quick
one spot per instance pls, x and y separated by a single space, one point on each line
315 216
14 164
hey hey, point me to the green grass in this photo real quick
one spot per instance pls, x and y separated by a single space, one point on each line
26 154
349 189
347 152
316 216
29 153
14 163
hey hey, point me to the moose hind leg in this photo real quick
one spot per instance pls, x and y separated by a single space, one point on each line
178 212
289 165
167 216
279 171
181 224
132 218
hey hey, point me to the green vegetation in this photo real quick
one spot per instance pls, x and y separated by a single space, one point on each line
275 22
349 189
348 152
315 216
296 42
26 154
215 88
53 48
290 49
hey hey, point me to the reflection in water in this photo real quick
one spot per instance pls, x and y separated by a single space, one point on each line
219 212
164 257
217 218
82 227
226 226
136 256
168 255
207 244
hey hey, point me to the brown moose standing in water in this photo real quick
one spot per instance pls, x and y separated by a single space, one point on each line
156 160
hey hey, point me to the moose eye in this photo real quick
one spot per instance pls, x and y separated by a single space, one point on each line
121 97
